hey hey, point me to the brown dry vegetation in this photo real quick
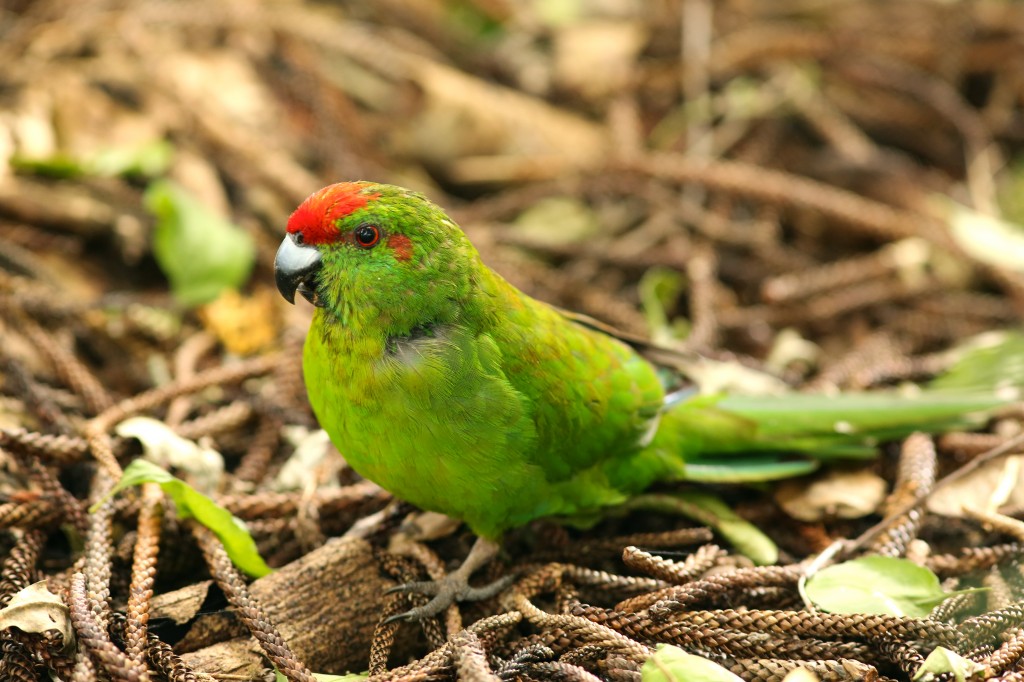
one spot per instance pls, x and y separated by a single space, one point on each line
785 158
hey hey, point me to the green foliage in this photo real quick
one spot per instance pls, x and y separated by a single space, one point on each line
876 584
475 22
671 664
1011 191
555 13
201 253
193 504
711 511
59 166
659 288
744 536
992 362
144 160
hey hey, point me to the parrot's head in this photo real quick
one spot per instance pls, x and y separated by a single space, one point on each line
376 255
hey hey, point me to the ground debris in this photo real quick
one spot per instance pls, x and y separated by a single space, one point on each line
768 184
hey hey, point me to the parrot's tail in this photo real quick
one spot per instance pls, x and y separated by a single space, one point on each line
735 438
757 438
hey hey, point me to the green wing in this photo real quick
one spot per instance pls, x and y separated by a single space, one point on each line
594 404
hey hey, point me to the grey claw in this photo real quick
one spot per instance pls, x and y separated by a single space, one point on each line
407 616
486 591
425 587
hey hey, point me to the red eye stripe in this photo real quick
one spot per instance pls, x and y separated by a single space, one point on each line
401 246
316 218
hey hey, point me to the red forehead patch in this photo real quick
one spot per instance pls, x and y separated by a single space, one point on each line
315 217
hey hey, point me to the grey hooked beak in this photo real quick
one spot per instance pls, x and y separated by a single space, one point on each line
295 269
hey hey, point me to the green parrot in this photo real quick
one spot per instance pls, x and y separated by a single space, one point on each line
453 390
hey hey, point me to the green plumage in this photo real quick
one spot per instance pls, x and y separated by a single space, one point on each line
450 388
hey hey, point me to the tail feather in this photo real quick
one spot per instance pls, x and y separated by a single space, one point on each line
810 428
741 438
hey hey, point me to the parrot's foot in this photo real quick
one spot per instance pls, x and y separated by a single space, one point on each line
454 586
445 592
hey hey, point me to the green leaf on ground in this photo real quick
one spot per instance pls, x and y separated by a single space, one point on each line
672 664
991 362
59 166
876 584
321 677
711 511
200 252
148 159
659 289
942 660
193 504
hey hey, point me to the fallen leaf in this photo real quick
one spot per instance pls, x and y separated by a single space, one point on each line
876 584
203 466
789 348
147 159
711 511
245 325
941 661
190 503
323 677
301 470
715 377
557 221
989 239
837 493
669 663
35 609
992 485
200 252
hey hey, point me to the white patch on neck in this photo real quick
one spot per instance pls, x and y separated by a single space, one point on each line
652 428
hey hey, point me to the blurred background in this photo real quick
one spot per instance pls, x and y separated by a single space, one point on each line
709 173
831 191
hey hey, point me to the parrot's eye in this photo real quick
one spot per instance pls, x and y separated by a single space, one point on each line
298 238
367 236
